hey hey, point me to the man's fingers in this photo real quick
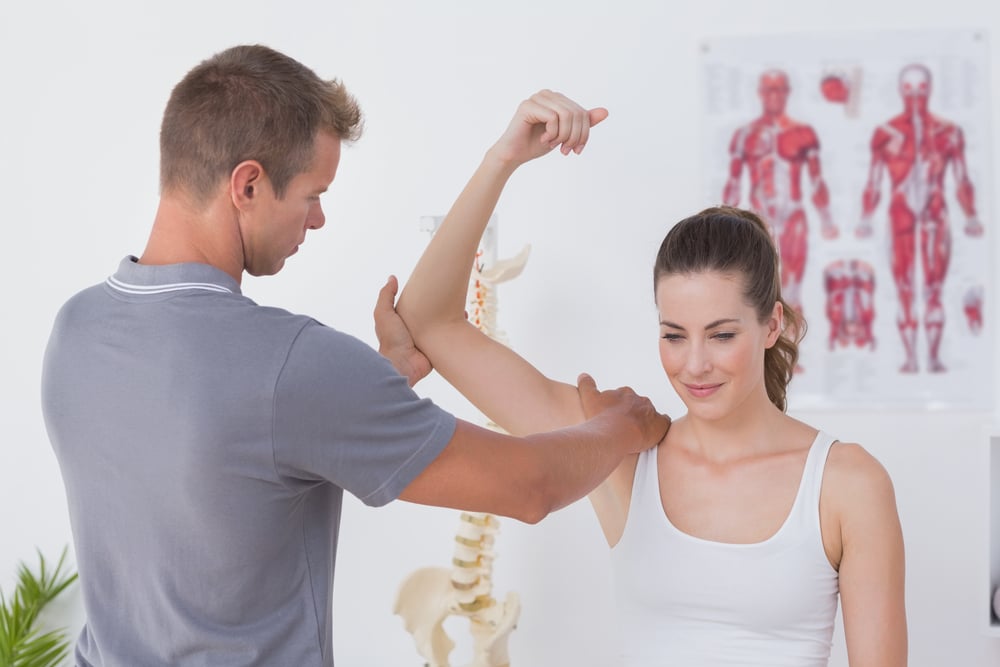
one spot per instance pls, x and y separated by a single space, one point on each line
648 424
665 422
387 295
585 383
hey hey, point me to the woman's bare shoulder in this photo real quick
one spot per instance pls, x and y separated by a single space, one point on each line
855 477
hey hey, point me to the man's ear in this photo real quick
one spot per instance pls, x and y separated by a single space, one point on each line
775 324
245 183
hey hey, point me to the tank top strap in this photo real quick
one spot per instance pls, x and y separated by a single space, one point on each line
811 485
647 478
645 506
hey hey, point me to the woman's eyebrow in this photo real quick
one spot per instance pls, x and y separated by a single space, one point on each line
710 325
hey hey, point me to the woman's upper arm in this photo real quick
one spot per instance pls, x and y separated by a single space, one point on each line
872 567
498 381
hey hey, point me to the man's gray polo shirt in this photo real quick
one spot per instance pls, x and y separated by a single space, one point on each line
205 443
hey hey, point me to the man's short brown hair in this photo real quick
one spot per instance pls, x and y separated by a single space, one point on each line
249 103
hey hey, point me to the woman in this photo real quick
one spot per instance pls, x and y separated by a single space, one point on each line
732 539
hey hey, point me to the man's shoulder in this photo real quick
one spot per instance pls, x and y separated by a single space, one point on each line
314 336
82 302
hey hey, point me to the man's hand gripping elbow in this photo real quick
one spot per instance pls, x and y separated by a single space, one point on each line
395 342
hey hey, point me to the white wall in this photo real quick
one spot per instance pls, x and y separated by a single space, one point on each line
81 92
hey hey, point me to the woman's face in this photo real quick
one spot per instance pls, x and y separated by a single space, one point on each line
712 343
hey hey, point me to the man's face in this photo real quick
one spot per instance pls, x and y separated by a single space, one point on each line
279 226
773 90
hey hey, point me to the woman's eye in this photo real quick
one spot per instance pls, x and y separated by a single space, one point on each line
671 337
725 335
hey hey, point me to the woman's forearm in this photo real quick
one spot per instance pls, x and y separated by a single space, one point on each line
436 292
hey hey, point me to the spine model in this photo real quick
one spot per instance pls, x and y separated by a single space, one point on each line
430 595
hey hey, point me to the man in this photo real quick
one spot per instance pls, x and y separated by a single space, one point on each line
775 148
206 442
916 148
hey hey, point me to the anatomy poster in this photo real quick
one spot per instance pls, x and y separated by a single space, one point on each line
868 156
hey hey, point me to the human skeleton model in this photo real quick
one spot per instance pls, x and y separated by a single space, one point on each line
915 148
850 291
431 594
775 148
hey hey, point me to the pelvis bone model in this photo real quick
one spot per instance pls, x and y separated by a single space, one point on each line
430 595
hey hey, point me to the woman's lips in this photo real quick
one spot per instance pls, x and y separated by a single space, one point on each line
702 390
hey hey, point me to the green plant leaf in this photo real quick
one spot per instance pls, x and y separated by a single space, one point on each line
42 650
21 644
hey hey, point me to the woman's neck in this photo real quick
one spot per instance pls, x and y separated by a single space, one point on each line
754 427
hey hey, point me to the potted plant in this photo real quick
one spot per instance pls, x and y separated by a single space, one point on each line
22 644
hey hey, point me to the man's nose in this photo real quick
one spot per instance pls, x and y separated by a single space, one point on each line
316 218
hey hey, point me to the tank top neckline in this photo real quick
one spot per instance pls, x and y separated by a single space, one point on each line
820 443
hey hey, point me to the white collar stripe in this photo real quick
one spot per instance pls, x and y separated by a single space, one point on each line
128 288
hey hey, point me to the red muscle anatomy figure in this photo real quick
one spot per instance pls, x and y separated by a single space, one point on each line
850 292
916 148
775 149
972 304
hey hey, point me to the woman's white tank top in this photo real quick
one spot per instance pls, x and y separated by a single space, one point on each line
685 601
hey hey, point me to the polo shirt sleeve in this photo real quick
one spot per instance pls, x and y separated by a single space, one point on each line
343 414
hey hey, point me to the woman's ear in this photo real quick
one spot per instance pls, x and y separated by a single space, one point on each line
775 324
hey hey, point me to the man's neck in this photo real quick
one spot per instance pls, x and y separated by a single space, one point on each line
183 233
